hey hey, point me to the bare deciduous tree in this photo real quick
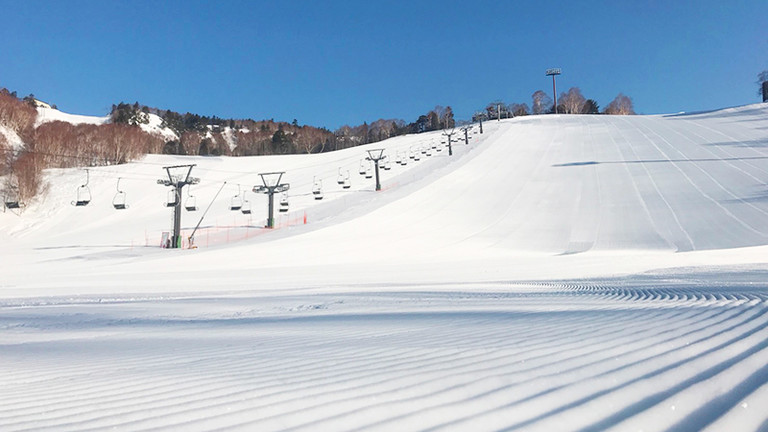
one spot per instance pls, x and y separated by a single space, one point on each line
621 105
541 102
572 101
15 114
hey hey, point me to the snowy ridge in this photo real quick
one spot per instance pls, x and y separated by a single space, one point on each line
45 115
557 273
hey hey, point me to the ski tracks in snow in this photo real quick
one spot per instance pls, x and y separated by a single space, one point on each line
651 353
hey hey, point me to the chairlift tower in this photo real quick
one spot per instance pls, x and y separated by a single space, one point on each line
271 185
480 118
376 155
554 72
449 134
178 181
466 130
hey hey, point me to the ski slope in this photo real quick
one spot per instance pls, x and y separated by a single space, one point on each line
558 272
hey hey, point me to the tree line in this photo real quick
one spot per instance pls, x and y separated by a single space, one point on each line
568 102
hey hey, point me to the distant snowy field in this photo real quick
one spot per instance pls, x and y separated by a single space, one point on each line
556 273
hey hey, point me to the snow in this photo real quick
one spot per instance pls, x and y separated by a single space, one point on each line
155 126
229 136
45 115
560 272
11 138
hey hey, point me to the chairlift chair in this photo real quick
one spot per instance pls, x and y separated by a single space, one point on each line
317 189
398 159
246 209
118 202
284 203
83 192
340 178
237 201
190 204
12 202
347 181
363 168
385 164
172 198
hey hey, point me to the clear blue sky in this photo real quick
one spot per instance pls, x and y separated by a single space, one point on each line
329 63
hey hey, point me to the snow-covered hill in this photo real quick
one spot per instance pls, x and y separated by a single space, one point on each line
558 272
45 115
154 126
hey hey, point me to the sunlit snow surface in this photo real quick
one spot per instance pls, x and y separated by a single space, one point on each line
557 273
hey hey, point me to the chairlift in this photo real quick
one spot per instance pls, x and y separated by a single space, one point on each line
429 151
83 192
172 198
190 204
12 202
347 181
398 159
363 168
284 203
416 156
369 171
385 164
246 209
317 188
118 202
340 178
237 201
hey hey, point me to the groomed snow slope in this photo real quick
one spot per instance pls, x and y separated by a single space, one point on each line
557 273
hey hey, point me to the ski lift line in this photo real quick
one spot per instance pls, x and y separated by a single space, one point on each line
139 162
192 236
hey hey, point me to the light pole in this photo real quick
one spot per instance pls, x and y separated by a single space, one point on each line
376 155
554 72
271 185
178 181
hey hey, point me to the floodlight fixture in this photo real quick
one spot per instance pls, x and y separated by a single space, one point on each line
376 155
271 185
554 72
